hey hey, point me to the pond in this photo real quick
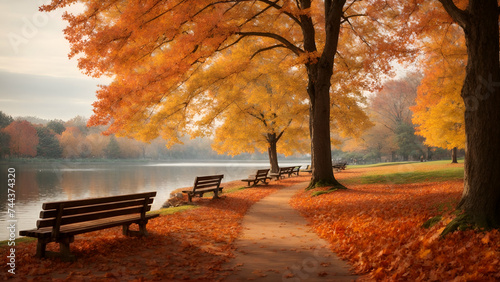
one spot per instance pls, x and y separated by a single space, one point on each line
40 182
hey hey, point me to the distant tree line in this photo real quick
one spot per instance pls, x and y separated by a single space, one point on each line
36 138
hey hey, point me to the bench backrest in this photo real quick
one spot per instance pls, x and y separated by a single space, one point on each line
204 182
261 173
56 214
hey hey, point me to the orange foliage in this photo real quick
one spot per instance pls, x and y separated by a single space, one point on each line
191 245
378 229
23 138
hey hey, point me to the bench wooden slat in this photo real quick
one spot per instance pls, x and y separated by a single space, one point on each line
91 216
93 208
94 201
209 177
206 185
79 228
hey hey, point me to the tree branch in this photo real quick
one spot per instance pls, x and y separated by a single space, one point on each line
274 5
287 44
267 49
346 18
460 16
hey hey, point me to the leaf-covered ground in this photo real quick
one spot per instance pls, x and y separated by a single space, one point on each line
377 225
190 245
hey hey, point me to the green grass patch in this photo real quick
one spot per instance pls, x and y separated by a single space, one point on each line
379 164
18 241
442 162
416 176
173 210
331 190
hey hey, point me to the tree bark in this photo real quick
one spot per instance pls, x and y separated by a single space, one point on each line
272 151
454 155
481 195
319 74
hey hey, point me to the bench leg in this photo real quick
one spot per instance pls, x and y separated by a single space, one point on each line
41 245
142 230
190 197
125 229
64 250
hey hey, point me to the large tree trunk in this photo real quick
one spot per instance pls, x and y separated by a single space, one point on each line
319 74
273 153
481 196
320 140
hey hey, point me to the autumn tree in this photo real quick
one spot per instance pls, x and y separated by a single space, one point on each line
5 120
74 144
375 144
391 107
48 145
408 144
57 126
23 138
439 109
392 103
112 150
480 202
152 48
79 122
481 94
261 108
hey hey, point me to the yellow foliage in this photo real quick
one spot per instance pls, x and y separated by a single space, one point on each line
439 112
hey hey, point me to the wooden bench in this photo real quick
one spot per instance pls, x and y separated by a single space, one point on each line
205 184
260 176
339 166
282 173
60 221
307 169
296 170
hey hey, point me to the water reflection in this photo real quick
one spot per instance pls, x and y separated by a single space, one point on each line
41 182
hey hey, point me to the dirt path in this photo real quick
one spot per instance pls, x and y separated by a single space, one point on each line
277 245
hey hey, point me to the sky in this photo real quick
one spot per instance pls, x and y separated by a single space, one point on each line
36 76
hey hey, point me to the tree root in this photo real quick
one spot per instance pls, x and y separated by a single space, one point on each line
332 189
461 223
333 186
321 183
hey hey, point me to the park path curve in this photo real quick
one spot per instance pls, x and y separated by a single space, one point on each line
277 245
